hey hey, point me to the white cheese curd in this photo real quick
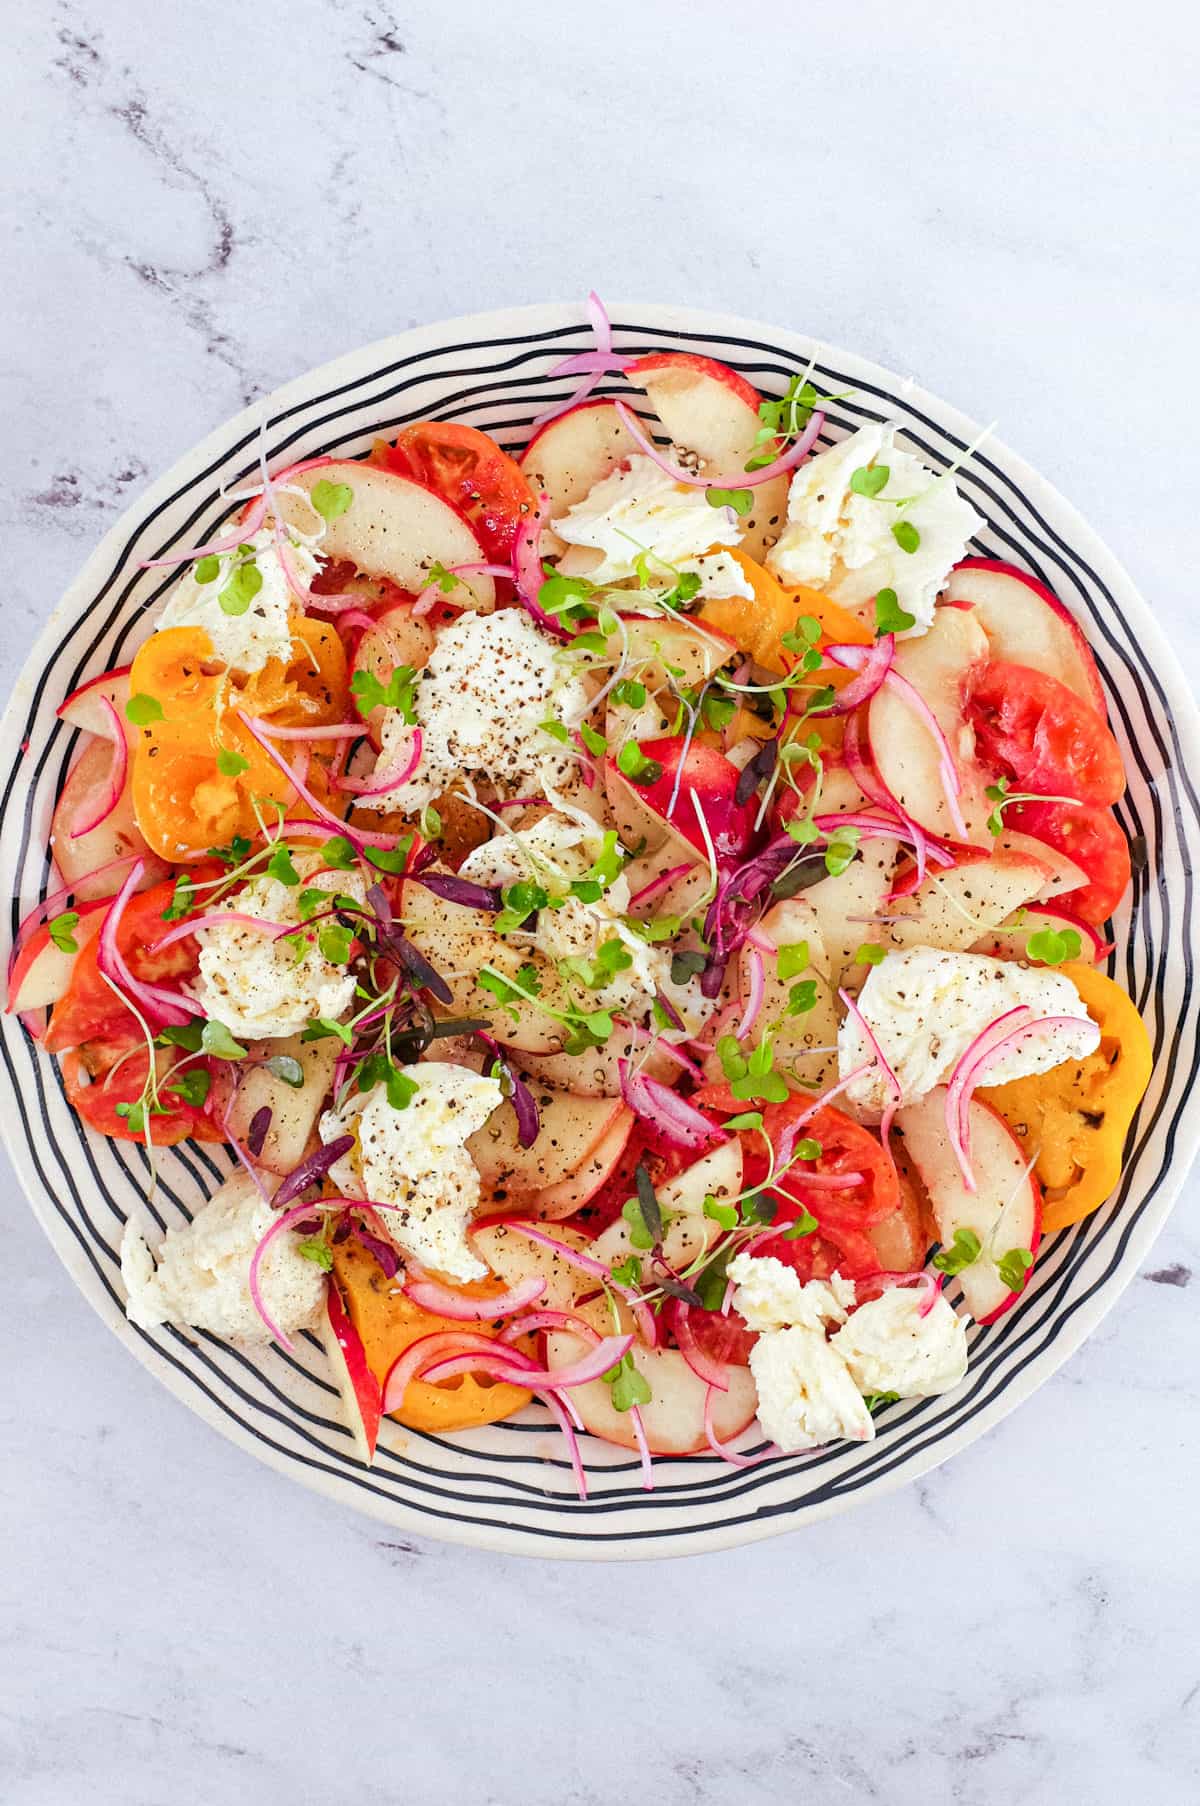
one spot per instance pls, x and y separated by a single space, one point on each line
251 980
490 682
889 1346
553 852
925 1007
842 543
637 509
202 1275
413 1165
245 641
806 1396
772 1296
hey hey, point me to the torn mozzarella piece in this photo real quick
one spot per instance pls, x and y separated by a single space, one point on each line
412 1163
842 542
926 1006
262 630
894 1343
638 522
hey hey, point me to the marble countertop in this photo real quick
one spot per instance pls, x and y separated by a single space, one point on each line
1002 203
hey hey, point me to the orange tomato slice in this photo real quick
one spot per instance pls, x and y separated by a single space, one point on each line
184 803
387 1323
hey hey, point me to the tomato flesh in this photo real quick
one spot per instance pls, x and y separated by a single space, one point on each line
468 470
1042 736
106 1072
1093 839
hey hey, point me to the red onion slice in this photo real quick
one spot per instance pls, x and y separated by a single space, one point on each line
680 1122
392 779
722 1448
444 1301
872 664
116 776
741 479
713 1373
163 1007
643 1315
527 569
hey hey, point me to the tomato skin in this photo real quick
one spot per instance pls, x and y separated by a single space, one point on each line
1042 736
89 1010
1093 839
96 1102
468 470
723 1335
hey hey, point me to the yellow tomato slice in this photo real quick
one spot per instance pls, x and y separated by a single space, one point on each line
388 1323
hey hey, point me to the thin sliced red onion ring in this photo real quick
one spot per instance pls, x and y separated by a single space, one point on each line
741 479
444 1301
713 1373
872 664
642 1313
722 1448
163 1006
679 1121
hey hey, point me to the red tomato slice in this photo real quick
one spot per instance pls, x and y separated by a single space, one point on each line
1042 736
89 1010
844 1216
1093 839
723 1337
470 471
95 1084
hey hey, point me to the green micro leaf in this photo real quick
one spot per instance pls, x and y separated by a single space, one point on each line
889 616
141 710
869 479
1013 1268
244 584
905 535
192 1087
338 854
334 941
1051 946
633 764
791 960
287 1068
207 570
331 499
740 500
230 763
869 954
962 1252
216 1039
62 931
280 865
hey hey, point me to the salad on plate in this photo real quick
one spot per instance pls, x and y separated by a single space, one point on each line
635 912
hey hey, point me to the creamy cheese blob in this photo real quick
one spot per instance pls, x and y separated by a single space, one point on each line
841 542
490 683
639 509
889 1346
772 1296
925 1007
552 852
202 1276
251 980
413 1165
243 641
806 1396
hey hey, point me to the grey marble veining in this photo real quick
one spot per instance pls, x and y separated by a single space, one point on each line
203 200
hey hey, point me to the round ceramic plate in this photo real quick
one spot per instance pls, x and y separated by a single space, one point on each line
509 1487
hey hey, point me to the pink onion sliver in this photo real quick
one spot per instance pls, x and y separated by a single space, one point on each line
277 1228
663 880
590 363
713 1373
443 1301
520 802
756 993
342 730
872 664
678 1120
880 1057
34 917
741 479
969 1072
528 1325
357 617
429 1349
829 1181
558 1409
355 835
215 548
637 1424
171 1008
590 1366
116 775
643 1315
391 780
722 1448
951 781
219 918
433 592
527 568
930 1285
